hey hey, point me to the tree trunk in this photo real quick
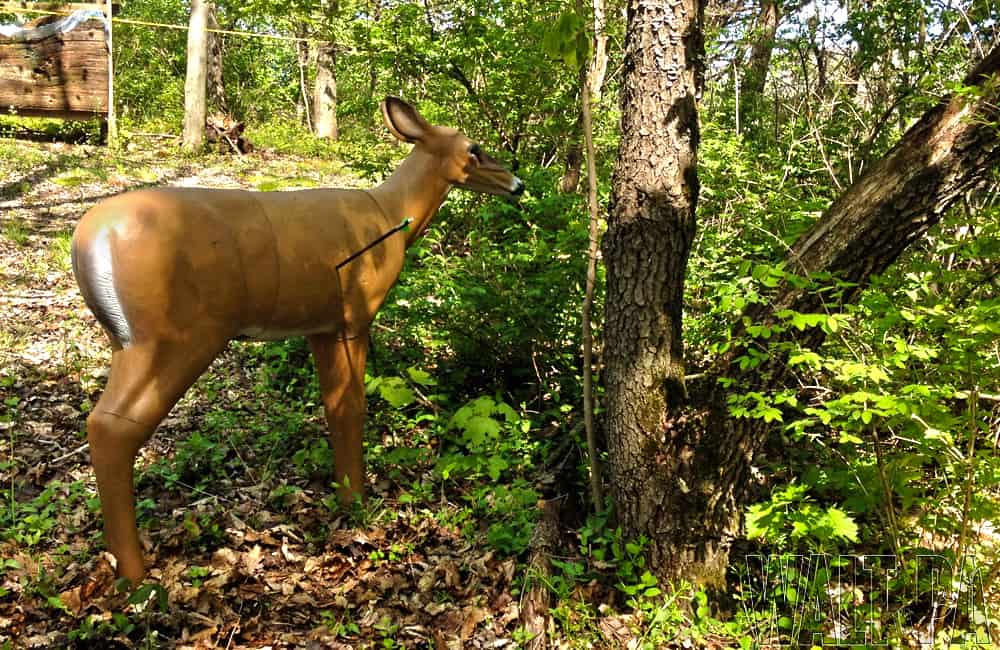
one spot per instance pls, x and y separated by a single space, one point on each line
302 110
819 52
325 92
216 85
593 452
598 68
755 77
197 65
574 164
695 475
650 229
949 151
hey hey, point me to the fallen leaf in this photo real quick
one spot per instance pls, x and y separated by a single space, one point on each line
434 608
287 552
251 560
473 617
224 558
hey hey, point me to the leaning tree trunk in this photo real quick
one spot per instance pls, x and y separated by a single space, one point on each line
949 151
704 456
325 92
650 229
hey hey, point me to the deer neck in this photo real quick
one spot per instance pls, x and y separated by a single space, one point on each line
415 190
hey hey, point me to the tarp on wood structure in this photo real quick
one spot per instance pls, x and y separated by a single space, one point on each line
21 34
58 68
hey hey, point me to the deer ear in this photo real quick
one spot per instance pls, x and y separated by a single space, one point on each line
403 120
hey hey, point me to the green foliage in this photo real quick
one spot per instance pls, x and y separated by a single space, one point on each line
76 131
314 457
31 521
486 437
338 625
16 231
394 390
60 251
881 439
792 518
496 278
150 66
484 440
568 40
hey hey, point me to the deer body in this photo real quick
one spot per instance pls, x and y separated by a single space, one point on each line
173 274
263 265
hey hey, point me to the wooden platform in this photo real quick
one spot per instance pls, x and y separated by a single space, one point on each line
63 75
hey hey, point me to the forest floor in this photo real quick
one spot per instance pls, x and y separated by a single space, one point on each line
258 557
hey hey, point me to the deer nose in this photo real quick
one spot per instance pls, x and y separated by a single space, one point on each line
518 187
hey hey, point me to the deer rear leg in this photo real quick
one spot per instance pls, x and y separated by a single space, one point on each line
144 383
114 443
340 363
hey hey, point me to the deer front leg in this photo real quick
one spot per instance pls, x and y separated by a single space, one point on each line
340 363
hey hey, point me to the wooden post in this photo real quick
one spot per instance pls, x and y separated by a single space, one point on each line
112 121
197 71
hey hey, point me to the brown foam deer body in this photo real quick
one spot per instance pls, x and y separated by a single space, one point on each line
174 274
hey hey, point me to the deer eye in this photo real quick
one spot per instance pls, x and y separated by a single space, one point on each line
476 152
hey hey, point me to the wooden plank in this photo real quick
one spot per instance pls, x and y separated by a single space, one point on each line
59 115
64 73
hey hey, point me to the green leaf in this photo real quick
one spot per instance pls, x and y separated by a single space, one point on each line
569 58
395 391
756 528
421 377
141 595
771 414
479 428
56 603
841 524
847 438
495 465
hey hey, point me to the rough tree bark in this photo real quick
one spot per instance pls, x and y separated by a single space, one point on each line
755 77
197 66
216 84
949 151
681 472
650 229
325 92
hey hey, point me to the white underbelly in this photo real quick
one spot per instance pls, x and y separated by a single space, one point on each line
257 333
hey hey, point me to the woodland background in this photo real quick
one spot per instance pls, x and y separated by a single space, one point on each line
881 441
